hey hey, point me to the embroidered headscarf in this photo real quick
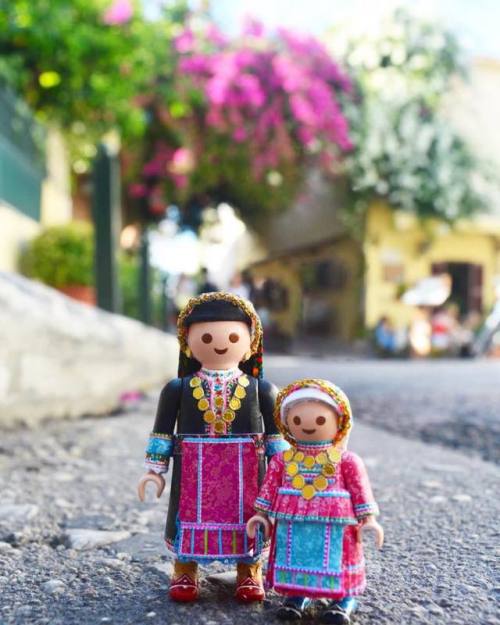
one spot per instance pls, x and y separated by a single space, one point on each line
219 306
315 389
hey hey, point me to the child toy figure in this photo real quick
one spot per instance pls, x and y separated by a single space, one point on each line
222 413
321 500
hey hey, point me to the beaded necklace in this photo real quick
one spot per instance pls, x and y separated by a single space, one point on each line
326 461
218 418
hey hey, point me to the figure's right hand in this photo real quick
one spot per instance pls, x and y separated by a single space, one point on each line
254 521
151 476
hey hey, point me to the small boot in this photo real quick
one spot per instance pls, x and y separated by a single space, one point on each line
249 585
184 585
339 612
293 608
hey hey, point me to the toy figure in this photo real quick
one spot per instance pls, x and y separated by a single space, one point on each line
222 410
320 499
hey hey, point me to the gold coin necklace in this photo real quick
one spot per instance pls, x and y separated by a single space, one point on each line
219 414
326 460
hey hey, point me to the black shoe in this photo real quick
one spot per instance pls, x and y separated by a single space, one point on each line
336 615
292 609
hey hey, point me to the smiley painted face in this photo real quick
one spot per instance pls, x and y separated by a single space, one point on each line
219 344
312 421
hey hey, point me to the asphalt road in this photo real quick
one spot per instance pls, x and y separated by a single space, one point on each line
76 547
452 402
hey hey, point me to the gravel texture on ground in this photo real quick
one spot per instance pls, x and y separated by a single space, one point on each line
77 547
452 402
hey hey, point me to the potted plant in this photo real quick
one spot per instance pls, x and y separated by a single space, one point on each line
63 257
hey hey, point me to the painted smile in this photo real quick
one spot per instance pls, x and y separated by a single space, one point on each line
220 351
309 431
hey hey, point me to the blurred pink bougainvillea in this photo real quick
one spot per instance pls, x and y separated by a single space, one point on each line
244 109
118 13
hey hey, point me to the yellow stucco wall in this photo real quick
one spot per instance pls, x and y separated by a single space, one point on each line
395 238
344 301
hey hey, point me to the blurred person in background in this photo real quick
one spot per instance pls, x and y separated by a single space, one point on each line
385 337
205 285
466 333
419 334
444 329
239 285
259 298
184 291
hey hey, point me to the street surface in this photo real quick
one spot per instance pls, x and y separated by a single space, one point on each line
453 402
77 547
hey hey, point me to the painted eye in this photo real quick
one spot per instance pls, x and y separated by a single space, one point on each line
297 420
206 338
234 338
320 420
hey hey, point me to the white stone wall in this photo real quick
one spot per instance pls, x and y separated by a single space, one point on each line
59 358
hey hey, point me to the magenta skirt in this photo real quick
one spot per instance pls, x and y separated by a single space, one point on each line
219 484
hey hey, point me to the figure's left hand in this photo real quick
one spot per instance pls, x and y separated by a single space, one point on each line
371 524
151 476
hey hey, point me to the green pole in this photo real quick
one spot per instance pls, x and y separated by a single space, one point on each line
144 278
106 215
164 302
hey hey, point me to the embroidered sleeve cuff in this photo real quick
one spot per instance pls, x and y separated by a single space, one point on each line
262 504
365 509
156 466
275 444
158 452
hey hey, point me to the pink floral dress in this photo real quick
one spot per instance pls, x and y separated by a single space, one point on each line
314 551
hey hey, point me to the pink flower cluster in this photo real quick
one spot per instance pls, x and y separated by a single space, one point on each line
118 13
273 101
278 94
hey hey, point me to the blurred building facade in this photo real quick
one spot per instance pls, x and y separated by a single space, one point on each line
334 283
34 178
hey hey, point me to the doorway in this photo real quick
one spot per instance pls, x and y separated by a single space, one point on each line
466 284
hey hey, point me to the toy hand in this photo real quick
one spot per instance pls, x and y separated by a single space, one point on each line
158 479
370 523
254 521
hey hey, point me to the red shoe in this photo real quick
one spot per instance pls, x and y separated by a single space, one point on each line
183 589
249 590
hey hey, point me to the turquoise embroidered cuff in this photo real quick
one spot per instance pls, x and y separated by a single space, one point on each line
365 509
158 452
275 444
160 445
262 504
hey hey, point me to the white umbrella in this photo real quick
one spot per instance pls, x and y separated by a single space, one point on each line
432 291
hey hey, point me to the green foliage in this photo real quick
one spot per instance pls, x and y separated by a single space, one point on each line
406 151
76 70
248 117
61 256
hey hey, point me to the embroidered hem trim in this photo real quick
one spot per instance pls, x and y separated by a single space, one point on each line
329 493
295 590
311 517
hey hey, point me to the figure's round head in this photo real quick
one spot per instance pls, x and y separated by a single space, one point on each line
219 331
311 420
313 410
219 344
